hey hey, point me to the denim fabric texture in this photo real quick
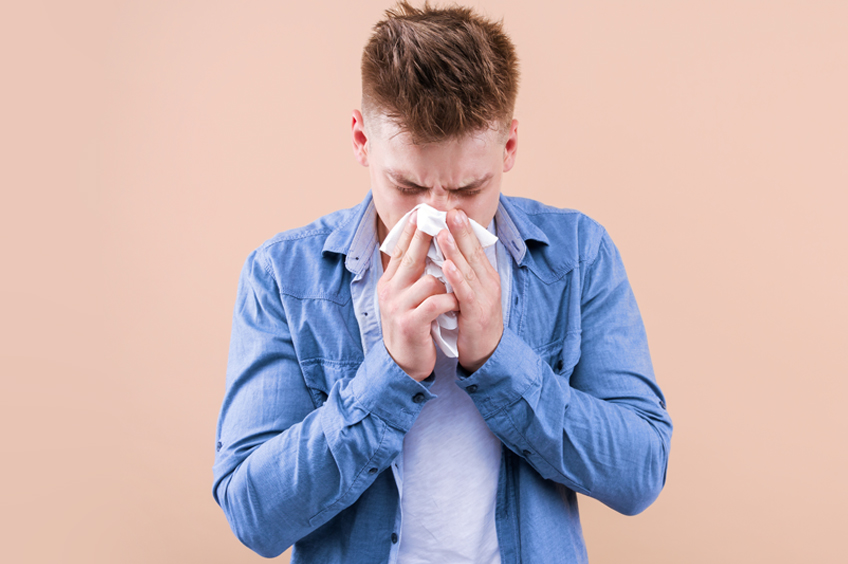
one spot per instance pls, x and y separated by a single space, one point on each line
310 425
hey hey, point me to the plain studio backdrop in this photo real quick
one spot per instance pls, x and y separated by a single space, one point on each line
146 147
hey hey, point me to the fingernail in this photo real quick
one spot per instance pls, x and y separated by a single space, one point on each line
457 218
449 239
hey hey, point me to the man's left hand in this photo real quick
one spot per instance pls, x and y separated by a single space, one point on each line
477 287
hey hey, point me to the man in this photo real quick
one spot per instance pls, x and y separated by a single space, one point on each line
346 431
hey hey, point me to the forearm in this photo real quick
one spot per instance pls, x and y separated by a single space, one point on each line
614 449
280 475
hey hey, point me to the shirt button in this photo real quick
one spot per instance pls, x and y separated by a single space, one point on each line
418 398
471 389
372 471
527 453
218 446
394 538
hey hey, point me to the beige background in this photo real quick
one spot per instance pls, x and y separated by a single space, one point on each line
147 147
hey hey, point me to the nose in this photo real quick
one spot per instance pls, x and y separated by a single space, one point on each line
440 199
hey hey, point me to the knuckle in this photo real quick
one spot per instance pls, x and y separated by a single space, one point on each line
433 284
479 255
430 307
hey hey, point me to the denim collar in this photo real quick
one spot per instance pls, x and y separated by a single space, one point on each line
355 236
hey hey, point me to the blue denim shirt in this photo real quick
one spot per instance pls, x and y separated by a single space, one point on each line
310 425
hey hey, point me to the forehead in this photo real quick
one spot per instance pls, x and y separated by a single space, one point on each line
396 148
382 127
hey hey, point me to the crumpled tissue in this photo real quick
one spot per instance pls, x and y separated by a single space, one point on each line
431 221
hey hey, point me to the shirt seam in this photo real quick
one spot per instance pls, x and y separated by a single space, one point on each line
282 238
601 242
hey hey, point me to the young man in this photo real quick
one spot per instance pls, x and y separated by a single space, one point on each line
346 431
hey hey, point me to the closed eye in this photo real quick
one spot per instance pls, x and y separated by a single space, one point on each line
410 189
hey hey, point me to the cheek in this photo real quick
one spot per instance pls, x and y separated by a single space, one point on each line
482 209
391 207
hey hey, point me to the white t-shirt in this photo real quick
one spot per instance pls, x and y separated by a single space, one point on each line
448 477
447 473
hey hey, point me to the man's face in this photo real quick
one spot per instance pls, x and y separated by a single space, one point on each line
460 173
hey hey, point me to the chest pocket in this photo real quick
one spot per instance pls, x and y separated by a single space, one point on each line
562 356
321 375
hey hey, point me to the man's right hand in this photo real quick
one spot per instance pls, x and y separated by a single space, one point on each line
409 303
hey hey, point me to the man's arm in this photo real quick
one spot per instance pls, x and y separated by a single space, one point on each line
605 432
284 466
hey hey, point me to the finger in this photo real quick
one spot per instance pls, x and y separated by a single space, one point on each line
460 284
411 265
476 278
434 306
422 289
469 246
481 302
401 246
452 254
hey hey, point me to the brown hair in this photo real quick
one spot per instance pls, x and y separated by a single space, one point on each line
439 73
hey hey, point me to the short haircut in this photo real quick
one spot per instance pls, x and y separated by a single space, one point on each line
439 73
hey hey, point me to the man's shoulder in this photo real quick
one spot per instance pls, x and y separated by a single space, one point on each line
312 235
305 261
568 233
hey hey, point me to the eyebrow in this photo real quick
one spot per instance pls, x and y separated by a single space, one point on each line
399 179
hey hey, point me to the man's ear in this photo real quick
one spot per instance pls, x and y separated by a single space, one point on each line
360 138
511 147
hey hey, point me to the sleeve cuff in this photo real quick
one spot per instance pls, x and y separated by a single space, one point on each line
383 389
507 376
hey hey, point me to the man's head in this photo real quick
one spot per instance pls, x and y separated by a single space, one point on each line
439 73
438 93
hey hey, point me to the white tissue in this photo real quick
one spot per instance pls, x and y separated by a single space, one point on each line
431 221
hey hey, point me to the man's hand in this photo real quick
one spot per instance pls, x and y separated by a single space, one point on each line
409 303
477 287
